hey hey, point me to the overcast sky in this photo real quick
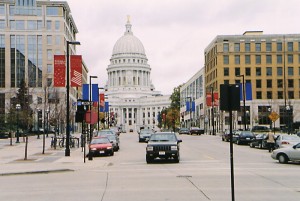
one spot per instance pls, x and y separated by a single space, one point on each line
174 32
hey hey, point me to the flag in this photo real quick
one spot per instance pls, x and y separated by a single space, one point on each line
209 100
95 93
248 91
102 102
76 70
59 71
85 92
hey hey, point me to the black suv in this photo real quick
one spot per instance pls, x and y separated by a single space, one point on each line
164 145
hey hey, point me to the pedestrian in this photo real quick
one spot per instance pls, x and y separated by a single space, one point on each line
270 141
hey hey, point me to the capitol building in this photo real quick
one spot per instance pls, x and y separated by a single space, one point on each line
133 100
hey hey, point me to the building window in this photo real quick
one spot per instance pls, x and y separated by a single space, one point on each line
225 47
279 83
247 59
269 94
257 47
279 59
49 55
226 81
290 71
52 11
237 59
49 40
236 47
279 47
258 83
39 25
268 47
269 83
290 46
258 71
226 71
280 95
32 25
258 59
290 83
247 47
248 71
225 59
57 25
269 71
20 25
269 59
291 94
57 40
279 71
258 95
290 59
49 25
237 71
49 68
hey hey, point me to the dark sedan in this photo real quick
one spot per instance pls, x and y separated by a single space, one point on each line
184 131
243 137
196 130
260 141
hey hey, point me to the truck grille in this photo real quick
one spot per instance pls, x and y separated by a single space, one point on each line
162 148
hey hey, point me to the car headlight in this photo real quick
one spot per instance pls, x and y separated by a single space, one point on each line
109 147
173 148
149 148
93 149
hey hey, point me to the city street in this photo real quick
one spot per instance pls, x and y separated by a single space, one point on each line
202 174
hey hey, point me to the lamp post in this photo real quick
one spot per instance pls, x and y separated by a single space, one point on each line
244 100
45 123
91 132
67 151
213 110
38 123
248 116
18 107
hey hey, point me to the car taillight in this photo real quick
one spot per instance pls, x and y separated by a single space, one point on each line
284 142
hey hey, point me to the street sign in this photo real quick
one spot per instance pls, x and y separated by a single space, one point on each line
274 116
86 103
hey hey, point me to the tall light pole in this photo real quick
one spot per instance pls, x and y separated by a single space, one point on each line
67 151
91 132
18 107
213 110
99 105
244 100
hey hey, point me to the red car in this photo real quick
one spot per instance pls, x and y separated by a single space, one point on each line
101 146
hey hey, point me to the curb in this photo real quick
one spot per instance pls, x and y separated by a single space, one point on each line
37 172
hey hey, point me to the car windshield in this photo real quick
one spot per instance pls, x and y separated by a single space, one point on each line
111 137
146 132
105 132
247 134
100 141
163 137
290 137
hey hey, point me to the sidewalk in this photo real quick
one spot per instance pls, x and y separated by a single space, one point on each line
53 160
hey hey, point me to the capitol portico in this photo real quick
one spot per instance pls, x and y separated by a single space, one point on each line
133 101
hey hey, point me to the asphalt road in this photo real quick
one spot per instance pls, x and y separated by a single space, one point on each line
202 174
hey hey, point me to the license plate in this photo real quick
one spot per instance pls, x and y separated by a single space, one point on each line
101 152
247 138
161 153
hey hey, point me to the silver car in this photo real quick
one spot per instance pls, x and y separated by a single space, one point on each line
283 155
285 140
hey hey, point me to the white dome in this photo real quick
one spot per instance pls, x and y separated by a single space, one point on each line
128 43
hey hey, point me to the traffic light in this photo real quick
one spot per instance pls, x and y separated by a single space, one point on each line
80 111
182 118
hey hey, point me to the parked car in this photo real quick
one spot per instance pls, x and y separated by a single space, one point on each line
101 146
284 155
260 129
285 140
260 141
4 133
163 145
115 141
184 131
115 129
243 137
196 130
145 134
104 132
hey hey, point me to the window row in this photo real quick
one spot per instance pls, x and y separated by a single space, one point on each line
258 71
269 59
116 61
30 25
257 47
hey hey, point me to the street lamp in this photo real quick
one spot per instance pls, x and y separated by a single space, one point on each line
91 132
248 116
18 107
99 105
45 122
244 100
38 122
67 151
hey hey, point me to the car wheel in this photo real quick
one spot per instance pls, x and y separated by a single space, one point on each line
223 139
177 158
149 159
251 145
282 158
112 153
237 142
260 145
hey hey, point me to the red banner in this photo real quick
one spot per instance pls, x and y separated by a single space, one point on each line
76 70
91 117
102 100
59 71
209 101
